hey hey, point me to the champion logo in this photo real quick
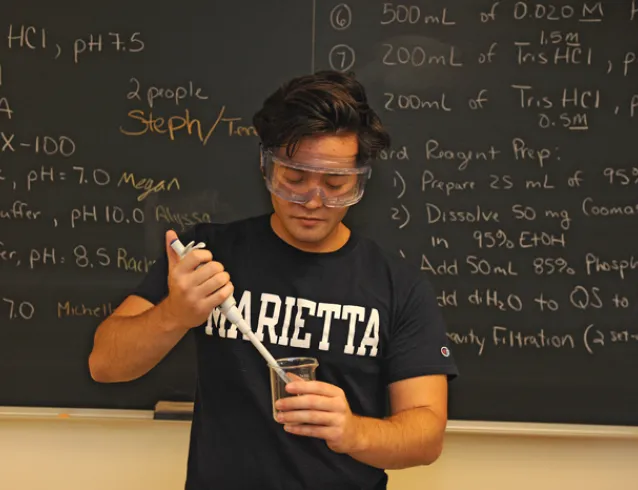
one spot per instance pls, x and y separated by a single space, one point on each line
445 351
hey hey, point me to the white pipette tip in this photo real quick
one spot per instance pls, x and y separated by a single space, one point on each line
280 372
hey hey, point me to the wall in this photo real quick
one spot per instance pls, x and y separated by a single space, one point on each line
101 454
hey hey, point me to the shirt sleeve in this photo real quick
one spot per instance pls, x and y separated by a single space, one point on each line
418 344
154 285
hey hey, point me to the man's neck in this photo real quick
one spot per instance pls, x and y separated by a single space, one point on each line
333 242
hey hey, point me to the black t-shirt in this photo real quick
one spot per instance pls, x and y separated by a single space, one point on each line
365 315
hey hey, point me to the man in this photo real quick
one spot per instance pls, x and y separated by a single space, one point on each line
308 286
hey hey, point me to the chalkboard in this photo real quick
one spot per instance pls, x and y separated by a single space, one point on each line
511 182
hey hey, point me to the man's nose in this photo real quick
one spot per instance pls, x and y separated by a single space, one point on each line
316 202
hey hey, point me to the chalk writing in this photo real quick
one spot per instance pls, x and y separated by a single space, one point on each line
46 145
417 56
148 185
415 102
69 309
37 38
8 255
164 214
120 258
178 124
568 54
463 158
18 309
174 94
412 14
105 214
97 43
26 36
621 176
5 108
20 210
497 210
587 11
341 17
342 57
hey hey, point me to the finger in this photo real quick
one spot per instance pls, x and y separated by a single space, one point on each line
173 256
311 417
313 387
195 258
206 272
307 402
213 284
219 296
326 433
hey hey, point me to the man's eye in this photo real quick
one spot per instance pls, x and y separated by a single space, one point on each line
294 177
337 182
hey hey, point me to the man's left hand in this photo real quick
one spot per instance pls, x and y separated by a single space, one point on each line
320 410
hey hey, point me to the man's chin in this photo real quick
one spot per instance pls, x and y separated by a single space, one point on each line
308 236
309 232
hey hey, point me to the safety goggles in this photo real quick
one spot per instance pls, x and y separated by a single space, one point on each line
336 181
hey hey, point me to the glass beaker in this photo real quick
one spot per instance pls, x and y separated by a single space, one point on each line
296 368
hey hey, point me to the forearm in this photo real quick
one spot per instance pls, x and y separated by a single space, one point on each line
410 438
127 347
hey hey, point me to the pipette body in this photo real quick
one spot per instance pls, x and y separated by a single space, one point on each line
231 312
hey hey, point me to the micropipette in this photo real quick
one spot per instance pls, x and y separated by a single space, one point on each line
230 311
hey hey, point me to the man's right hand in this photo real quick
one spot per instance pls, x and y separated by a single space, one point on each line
194 292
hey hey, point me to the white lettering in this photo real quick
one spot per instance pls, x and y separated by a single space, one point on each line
265 320
328 311
355 313
371 336
290 302
300 323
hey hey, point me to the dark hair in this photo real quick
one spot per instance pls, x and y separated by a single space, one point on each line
325 102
